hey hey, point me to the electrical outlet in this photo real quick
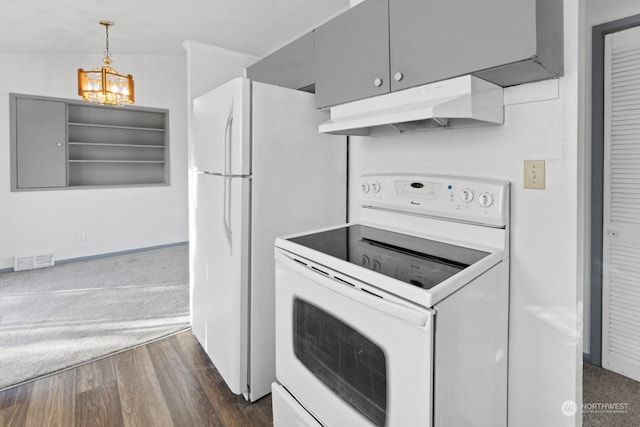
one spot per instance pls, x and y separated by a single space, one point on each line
534 174
81 237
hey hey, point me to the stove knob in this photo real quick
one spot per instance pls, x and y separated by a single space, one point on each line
365 188
485 200
466 195
375 187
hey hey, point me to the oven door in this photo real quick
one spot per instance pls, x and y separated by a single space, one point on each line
350 353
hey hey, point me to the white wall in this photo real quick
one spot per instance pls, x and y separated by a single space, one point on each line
599 12
545 319
596 12
210 66
113 219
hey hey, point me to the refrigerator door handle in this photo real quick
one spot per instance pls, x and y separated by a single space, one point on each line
227 213
227 141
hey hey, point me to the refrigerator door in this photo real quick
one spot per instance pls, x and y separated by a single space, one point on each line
219 297
221 124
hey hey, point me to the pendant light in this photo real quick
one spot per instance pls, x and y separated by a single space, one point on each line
103 85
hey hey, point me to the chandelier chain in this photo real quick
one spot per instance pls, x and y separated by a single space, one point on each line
107 54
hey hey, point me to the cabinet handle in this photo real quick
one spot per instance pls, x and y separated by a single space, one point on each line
59 144
377 82
398 76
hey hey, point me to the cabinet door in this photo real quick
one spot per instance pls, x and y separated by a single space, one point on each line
351 53
440 39
41 157
290 66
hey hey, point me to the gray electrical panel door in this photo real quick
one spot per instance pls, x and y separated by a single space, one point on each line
41 157
352 54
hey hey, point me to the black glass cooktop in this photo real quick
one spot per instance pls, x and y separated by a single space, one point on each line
414 260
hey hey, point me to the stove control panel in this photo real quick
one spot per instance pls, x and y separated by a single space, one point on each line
417 189
475 200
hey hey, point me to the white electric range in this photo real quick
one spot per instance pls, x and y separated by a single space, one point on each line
401 318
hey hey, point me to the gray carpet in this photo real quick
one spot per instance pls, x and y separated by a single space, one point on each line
609 399
57 317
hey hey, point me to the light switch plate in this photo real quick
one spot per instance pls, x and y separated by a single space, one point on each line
534 174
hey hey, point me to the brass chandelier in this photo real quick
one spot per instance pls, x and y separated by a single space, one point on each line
103 85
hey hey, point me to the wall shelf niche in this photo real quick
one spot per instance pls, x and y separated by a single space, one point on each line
93 146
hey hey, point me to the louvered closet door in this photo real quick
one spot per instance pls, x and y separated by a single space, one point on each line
621 240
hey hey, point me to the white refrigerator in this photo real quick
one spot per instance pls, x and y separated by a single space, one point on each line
260 169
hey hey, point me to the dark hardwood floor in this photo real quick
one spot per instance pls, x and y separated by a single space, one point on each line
170 382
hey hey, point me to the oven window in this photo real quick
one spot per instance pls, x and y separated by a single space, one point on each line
346 361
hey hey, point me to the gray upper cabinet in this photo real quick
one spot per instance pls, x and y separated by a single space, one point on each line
408 43
40 157
352 54
436 40
546 59
290 66
506 42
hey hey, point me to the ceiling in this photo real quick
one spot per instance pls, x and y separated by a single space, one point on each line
254 27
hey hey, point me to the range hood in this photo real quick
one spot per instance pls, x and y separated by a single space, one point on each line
460 102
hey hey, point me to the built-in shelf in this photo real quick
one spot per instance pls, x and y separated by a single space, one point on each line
114 127
109 146
116 161
60 143
98 144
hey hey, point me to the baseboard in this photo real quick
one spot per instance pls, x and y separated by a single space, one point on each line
586 357
128 251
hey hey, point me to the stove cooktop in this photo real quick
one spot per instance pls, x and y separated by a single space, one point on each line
414 260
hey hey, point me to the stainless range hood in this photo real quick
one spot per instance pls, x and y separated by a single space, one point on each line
460 102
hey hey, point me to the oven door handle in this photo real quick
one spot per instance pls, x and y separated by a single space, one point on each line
385 304
374 298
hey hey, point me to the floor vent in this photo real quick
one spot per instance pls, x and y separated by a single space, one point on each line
32 261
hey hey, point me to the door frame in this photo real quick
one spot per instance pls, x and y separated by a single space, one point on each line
598 33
